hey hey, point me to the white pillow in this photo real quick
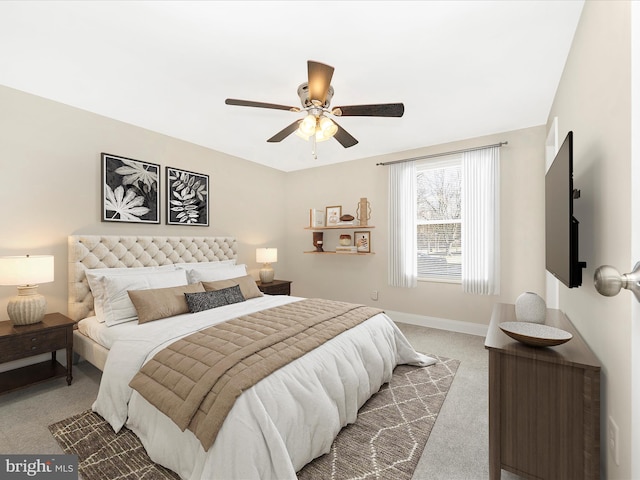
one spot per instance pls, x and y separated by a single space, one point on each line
94 279
200 265
117 306
205 266
215 274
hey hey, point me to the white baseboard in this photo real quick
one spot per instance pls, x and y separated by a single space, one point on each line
439 323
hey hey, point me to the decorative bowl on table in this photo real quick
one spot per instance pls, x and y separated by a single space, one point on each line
535 334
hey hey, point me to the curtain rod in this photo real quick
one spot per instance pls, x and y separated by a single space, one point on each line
443 154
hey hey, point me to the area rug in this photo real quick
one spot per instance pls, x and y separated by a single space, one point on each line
385 442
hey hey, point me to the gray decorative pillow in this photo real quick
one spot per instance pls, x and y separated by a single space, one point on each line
200 301
233 294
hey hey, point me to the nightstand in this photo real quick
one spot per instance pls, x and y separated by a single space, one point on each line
55 332
277 287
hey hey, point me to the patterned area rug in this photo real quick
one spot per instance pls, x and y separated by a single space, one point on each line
392 428
385 442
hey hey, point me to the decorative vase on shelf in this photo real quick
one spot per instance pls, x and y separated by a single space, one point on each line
531 308
318 241
345 240
363 212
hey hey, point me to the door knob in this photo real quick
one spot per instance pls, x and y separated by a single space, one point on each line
609 281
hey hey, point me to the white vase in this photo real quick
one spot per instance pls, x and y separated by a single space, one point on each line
530 308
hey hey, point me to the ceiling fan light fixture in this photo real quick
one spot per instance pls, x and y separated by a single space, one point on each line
327 127
302 135
308 126
321 136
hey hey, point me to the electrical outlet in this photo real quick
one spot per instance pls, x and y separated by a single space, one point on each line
374 295
613 435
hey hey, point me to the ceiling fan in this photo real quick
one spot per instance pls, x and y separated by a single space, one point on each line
315 97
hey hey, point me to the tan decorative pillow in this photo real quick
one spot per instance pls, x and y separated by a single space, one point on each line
247 285
156 303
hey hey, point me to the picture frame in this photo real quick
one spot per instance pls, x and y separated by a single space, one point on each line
362 241
187 197
332 215
130 190
316 218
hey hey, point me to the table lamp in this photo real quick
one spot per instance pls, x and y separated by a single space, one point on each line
26 272
266 256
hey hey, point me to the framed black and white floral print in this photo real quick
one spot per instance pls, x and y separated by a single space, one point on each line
187 198
130 190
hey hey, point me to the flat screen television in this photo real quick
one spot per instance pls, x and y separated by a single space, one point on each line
561 227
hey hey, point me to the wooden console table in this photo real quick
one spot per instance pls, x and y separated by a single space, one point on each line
544 404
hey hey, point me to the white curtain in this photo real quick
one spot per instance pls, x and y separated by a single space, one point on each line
403 266
481 221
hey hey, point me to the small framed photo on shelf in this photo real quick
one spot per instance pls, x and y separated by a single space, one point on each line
333 215
316 218
362 241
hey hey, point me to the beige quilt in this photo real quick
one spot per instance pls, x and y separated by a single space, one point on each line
196 380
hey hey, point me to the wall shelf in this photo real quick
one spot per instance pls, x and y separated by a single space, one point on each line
340 227
331 252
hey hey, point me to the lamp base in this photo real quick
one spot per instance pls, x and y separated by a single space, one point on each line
266 274
28 307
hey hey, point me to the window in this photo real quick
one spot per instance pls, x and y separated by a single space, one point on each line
444 218
438 218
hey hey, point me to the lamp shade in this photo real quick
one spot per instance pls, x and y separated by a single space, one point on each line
266 255
328 128
308 125
26 270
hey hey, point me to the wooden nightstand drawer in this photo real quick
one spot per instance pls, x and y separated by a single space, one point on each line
34 343
277 287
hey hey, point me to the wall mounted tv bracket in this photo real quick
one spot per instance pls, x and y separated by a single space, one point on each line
574 224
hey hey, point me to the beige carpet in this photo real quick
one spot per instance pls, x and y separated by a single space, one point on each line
386 440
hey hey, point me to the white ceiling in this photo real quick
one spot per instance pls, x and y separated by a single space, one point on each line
462 69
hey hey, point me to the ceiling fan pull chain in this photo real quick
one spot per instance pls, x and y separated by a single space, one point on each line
313 147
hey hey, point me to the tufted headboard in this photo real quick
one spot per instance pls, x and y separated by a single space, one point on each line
112 251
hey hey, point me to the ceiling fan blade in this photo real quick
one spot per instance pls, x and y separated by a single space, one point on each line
344 137
380 110
285 132
319 80
249 103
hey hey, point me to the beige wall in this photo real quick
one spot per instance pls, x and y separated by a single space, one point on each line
352 278
593 100
50 185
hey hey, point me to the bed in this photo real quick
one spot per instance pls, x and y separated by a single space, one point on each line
275 426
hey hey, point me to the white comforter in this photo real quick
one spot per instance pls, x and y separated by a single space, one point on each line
275 427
